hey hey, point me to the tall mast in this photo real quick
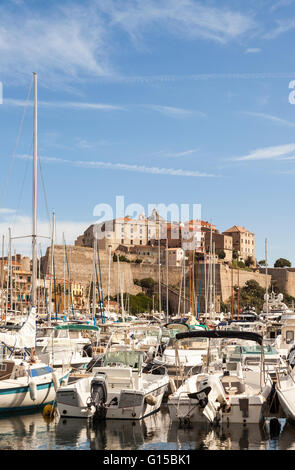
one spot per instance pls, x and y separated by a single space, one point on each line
10 270
266 286
184 293
51 267
159 255
109 278
206 288
167 280
64 301
2 277
94 279
34 236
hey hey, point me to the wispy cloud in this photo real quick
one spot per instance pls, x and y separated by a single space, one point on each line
267 153
185 18
122 166
173 111
280 4
5 210
74 42
252 50
283 26
85 144
184 153
62 43
150 79
270 117
64 104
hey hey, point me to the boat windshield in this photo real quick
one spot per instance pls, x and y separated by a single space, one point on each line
255 349
123 359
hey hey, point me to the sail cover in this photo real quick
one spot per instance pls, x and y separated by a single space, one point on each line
25 337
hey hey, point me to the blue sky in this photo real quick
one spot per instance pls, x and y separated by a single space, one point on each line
167 101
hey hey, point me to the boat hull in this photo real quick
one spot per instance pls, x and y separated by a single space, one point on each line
131 404
15 396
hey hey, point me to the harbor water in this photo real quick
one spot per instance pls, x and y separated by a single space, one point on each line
156 432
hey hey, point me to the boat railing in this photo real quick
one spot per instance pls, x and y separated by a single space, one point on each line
281 371
190 406
160 366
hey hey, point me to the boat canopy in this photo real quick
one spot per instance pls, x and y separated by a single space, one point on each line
244 335
25 337
77 327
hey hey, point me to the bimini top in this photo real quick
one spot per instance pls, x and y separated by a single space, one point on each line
77 327
246 335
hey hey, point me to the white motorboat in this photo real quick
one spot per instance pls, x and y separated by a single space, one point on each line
198 399
117 390
274 308
223 391
285 388
188 358
67 346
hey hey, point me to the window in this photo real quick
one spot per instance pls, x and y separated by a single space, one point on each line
3 367
289 337
122 240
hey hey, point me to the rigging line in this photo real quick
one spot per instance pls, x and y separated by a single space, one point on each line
21 190
44 192
4 193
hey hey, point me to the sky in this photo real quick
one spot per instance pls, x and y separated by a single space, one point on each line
161 101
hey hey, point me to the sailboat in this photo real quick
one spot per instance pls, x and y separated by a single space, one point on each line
26 382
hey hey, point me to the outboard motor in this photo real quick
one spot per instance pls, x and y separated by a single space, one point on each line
201 396
98 395
291 357
87 350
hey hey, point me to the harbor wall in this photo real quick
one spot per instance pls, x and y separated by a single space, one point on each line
80 262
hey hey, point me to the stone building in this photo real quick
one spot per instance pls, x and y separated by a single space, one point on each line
223 244
243 241
123 231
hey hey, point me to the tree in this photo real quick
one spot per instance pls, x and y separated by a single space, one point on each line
282 263
235 254
262 262
221 255
249 261
147 282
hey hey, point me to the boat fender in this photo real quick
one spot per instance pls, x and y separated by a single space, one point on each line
55 381
172 385
33 390
150 400
48 411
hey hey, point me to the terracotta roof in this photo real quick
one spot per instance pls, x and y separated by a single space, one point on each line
237 228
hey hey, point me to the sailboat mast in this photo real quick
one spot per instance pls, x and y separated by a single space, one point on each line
167 279
34 236
266 286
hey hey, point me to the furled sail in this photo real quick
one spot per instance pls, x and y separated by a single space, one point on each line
25 337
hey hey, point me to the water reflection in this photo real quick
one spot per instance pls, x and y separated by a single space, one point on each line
154 432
